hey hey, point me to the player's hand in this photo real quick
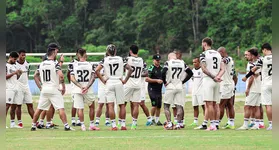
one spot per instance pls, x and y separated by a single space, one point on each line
104 81
62 57
63 90
18 72
217 79
247 92
123 81
84 90
244 79
159 81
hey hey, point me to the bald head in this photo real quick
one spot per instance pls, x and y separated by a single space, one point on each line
222 51
171 56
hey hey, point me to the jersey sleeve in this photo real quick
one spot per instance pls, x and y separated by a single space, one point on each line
57 67
202 57
226 60
259 62
94 66
102 62
186 67
166 65
70 67
125 61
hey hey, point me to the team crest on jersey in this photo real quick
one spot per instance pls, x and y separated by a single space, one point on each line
268 58
12 71
199 73
9 99
26 67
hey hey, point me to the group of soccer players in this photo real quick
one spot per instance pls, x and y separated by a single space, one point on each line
213 88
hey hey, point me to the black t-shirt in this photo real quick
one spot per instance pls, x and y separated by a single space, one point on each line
155 73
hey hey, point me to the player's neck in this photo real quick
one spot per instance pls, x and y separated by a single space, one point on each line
82 59
21 61
207 48
197 68
134 55
268 53
51 57
156 65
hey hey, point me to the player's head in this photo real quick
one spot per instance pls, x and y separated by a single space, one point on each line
178 54
52 49
253 53
206 43
22 55
247 55
171 56
196 62
222 51
81 53
156 59
134 50
111 50
266 48
13 57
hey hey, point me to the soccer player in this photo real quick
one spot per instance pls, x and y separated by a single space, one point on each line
51 76
227 87
155 84
197 90
172 78
24 95
82 76
266 91
132 88
213 69
12 75
113 68
253 93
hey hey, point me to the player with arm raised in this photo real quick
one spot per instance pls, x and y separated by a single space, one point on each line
48 77
266 90
213 69
114 67
82 77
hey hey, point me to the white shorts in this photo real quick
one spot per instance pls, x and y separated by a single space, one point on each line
197 100
266 95
81 99
142 93
10 96
23 97
253 99
55 98
114 92
132 94
227 91
183 97
211 90
174 96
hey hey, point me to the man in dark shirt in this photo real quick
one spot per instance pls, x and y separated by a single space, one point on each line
155 83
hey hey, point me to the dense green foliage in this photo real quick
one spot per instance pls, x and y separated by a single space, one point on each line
155 25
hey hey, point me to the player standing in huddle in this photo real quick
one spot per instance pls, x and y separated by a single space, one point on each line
197 90
48 77
114 67
213 69
132 88
227 87
24 95
82 76
12 74
172 78
266 91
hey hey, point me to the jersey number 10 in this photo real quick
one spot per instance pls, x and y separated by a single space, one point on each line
46 75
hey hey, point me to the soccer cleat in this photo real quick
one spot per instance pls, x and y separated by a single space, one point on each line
83 128
153 122
211 128
159 123
261 126
108 124
15 126
254 128
177 128
78 124
251 125
217 127
148 123
228 127
182 125
69 129
201 127
97 124
40 126
114 129
133 127
20 124
269 128
225 126
193 124
54 125
33 129
243 128
93 128
73 124
123 128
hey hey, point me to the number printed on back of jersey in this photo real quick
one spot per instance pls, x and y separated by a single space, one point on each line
113 67
136 64
175 73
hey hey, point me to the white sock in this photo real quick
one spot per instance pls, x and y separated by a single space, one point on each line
228 121
169 124
157 119
232 122
153 117
252 120
261 122
48 124
246 120
66 125
135 121
257 122
113 123
270 123
82 123
12 122
205 122
119 121
123 123
149 118
98 119
92 123
19 121
212 123
51 121
34 125
175 119
107 120
78 121
216 122
195 120
41 121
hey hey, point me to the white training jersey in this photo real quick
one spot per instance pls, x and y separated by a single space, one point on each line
174 73
213 60
11 83
137 66
227 78
113 67
49 77
256 85
82 72
70 69
266 64
101 85
23 79
197 81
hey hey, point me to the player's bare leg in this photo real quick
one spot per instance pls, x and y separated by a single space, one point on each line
35 118
152 112
112 115
12 115
146 112
257 116
158 111
63 118
180 112
252 116
231 114
30 110
261 126
81 118
269 116
174 114
18 115
247 114
49 116
196 116
217 114
203 126
122 116
222 105
107 116
135 114
73 112
211 114
169 125
91 117
99 113
7 109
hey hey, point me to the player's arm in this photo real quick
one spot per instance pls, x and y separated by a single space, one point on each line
37 79
61 60
97 71
8 76
221 72
130 71
149 79
253 70
144 72
250 82
205 71
164 75
91 81
189 74
61 78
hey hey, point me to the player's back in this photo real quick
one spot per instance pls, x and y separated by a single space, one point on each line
49 77
197 81
213 61
175 73
267 70
137 65
229 71
82 72
113 67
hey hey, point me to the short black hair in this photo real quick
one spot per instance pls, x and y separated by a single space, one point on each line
21 51
253 51
81 52
266 46
208 41
134 49
13 54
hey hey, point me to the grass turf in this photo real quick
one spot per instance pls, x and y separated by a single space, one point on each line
153 137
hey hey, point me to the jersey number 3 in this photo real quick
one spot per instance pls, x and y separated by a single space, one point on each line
215 66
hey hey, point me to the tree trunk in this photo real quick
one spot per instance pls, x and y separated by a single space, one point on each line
193 24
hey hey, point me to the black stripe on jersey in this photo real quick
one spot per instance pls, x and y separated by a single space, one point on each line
102 62
226 60
202 57
259 63
186 67
166 65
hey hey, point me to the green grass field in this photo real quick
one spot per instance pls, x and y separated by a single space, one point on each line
153 137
